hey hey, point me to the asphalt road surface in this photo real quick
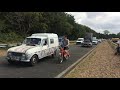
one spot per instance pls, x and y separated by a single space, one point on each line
45 68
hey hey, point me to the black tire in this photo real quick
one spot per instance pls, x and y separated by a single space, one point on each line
11 62
33 60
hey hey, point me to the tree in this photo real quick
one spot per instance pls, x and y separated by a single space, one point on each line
118 34
27 23
106 32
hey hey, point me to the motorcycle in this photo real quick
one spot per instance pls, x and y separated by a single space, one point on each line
63 55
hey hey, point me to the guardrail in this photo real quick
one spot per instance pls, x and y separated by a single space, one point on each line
72 42
3 45
7 45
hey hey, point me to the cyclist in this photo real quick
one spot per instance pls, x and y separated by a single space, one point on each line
65 45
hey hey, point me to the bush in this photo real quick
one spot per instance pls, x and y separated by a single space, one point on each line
10 38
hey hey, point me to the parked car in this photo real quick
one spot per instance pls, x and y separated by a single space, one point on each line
34 47
79 41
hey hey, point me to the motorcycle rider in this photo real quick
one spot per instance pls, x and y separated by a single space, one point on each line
65 45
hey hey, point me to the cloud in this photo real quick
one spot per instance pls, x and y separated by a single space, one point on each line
99 21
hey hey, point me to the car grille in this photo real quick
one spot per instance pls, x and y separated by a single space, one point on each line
78 42
16 54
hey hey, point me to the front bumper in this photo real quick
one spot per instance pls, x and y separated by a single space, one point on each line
94 43
86 45
77 43
17 59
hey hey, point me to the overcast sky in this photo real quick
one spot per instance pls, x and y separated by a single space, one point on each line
99 21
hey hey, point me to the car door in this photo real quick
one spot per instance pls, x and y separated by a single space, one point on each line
44 47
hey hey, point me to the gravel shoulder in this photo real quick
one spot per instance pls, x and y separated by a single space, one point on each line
101 63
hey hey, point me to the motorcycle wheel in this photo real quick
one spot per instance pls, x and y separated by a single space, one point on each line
60 59
66 57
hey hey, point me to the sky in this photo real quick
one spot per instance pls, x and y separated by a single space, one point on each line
99 21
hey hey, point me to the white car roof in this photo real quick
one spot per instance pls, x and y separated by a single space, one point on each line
80 38
45 34
37 37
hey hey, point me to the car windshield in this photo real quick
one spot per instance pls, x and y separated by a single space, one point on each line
32 41
80 39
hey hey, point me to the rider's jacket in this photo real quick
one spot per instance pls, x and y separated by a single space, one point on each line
65 43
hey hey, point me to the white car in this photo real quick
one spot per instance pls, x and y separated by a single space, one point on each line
79 41
95 42
35 47
99 40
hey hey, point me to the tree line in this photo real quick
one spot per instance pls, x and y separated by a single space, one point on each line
22 24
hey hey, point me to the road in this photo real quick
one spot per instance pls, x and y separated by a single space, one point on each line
46 68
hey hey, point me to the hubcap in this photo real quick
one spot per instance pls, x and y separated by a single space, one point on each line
34 60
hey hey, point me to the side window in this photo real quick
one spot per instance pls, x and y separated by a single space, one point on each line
45 42
51 41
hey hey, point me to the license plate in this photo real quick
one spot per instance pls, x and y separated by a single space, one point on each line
15 58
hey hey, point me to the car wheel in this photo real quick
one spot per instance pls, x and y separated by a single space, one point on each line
33 60
54 54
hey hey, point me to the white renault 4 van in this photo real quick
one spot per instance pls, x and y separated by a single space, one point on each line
34 47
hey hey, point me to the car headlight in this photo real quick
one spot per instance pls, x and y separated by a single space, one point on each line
9 54
23 56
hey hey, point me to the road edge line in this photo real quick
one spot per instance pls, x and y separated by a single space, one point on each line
63 73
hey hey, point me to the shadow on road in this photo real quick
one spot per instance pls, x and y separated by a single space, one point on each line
24 64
